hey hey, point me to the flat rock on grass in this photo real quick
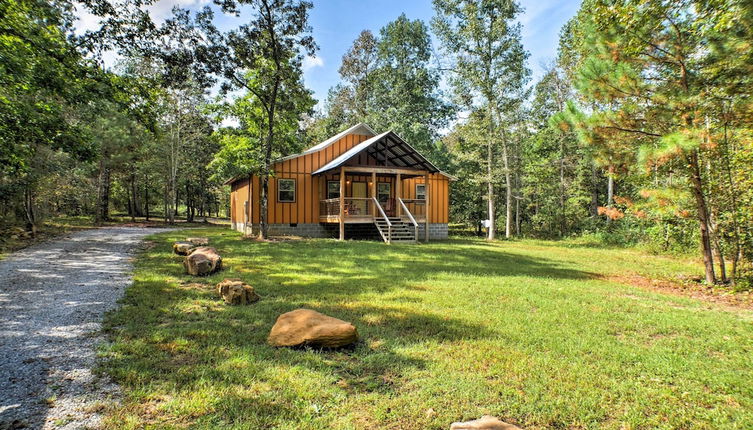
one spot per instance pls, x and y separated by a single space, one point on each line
484 423
306 327
202 261
183 248
235 292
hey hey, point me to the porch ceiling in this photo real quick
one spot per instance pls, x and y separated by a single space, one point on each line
389 150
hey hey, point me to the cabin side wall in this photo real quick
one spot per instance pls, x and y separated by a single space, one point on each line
238 197
304 212
309 190
438 199
439 203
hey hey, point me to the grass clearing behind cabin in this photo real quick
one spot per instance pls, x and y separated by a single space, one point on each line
528 331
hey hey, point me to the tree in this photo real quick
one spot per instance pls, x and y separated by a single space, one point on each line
357 70
263 57
389 83
405 87
43 81
488 71
645 71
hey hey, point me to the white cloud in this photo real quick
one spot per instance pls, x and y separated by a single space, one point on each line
310 62
163 9
86 20
230 122
159 11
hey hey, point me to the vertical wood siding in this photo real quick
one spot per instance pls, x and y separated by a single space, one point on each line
310 190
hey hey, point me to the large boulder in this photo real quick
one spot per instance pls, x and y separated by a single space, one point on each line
202 261
307 327
235 292
198 241
484 423
183 248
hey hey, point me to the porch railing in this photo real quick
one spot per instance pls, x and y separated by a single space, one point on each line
407 211
384 223
415 207
329 207
354 207
363 207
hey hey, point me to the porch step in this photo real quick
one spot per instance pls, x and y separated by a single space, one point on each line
402 232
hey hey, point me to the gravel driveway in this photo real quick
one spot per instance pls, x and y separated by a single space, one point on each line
52 299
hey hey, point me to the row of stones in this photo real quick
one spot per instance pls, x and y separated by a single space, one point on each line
296 328
300 327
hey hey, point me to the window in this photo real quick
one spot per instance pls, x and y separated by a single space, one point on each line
286 190
383 192
333 189
420 191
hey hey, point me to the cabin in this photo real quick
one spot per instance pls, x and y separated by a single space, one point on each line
356 184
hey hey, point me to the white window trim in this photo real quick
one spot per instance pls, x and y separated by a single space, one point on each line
279 200
417 193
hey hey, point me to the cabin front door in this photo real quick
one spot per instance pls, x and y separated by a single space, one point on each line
359 190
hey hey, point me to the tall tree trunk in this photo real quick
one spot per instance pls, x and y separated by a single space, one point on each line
263 226
594 191
172 181
165 200
732 190
517 216
702 212
146 197
264 195
610 186
490 232
31 219
610 190
490 210
102 212
716 245
508 181
137 209
509 190
130 208
563 220
264 222
189 203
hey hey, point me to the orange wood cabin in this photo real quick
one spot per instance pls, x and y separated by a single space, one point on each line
355 184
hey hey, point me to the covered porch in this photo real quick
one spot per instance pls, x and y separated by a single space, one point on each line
381 181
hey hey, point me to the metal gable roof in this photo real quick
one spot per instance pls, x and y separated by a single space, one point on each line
387 146
359 128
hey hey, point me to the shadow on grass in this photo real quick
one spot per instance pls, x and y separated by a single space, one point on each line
172 338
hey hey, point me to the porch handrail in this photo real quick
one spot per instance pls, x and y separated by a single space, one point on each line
384 215
410 215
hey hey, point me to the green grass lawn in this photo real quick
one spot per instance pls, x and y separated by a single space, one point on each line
526 331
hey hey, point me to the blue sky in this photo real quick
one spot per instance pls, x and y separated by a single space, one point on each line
336 23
